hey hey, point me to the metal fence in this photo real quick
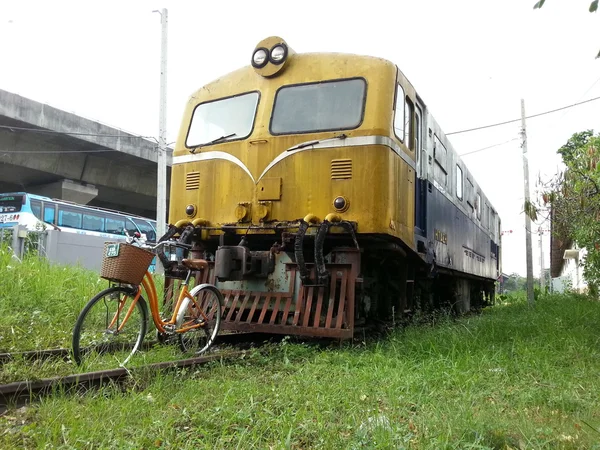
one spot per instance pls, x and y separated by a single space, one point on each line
21 242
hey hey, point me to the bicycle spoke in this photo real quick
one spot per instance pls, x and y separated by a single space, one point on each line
110 328
204 314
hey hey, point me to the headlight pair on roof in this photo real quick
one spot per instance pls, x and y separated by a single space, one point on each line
276 55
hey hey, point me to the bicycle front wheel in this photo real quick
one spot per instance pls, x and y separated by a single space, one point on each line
111 326
204 314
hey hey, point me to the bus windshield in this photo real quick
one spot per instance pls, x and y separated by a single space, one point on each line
224 119
324 106
10 203
145 228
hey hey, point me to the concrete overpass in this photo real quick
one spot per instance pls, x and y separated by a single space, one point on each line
51 152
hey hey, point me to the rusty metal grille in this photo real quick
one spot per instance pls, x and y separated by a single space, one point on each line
313 311
341 169
192 181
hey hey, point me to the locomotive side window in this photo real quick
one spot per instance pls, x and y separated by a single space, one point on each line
419 132
459 182
224 119
478 206
440 174
470 189
485 216
399 118
408 128
324 106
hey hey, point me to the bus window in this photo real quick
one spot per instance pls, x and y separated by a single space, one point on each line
146 229
115 225
93 223
10 203
130 225
36 208
49 214
69 218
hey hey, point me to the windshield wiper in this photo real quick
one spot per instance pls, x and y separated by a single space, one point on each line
214 141
309 143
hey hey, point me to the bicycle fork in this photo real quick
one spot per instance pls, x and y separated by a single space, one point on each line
115 319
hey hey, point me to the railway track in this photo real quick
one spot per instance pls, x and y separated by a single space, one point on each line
20 393
65 353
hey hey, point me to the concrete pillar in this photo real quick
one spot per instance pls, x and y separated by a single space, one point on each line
71 191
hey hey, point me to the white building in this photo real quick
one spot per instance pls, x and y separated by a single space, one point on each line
566 267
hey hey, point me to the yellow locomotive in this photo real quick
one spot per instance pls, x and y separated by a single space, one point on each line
324 194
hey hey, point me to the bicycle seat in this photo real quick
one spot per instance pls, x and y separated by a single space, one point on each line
195 264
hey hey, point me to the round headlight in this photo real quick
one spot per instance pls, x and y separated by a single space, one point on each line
341 204
278 54
260 57
190 210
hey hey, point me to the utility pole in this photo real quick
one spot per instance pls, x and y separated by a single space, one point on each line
542 277
161 185
530 299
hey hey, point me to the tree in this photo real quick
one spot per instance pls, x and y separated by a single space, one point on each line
593 8
574 197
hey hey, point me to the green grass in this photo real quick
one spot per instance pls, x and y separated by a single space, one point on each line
39 304
511 377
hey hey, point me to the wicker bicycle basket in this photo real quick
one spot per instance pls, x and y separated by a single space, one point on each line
125 263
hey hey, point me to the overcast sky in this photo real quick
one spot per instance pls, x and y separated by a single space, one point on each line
470 60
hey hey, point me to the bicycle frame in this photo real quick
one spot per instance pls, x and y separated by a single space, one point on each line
150 288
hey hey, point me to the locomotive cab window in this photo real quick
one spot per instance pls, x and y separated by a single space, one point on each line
225 119
408 125
323 106
399 117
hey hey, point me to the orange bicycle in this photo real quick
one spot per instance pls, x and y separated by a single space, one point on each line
116 319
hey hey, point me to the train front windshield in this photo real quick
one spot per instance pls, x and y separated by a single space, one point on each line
224 119
11 203
323 106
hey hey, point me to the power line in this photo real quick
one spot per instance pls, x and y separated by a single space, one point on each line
488 147
528 117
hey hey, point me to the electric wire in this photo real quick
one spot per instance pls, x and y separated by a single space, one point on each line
527 117
488 147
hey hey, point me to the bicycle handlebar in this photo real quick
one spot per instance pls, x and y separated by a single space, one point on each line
146 246
184 237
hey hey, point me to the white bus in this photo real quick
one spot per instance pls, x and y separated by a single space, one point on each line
36 212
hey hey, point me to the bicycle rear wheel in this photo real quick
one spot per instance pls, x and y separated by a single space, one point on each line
110 323
206 311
